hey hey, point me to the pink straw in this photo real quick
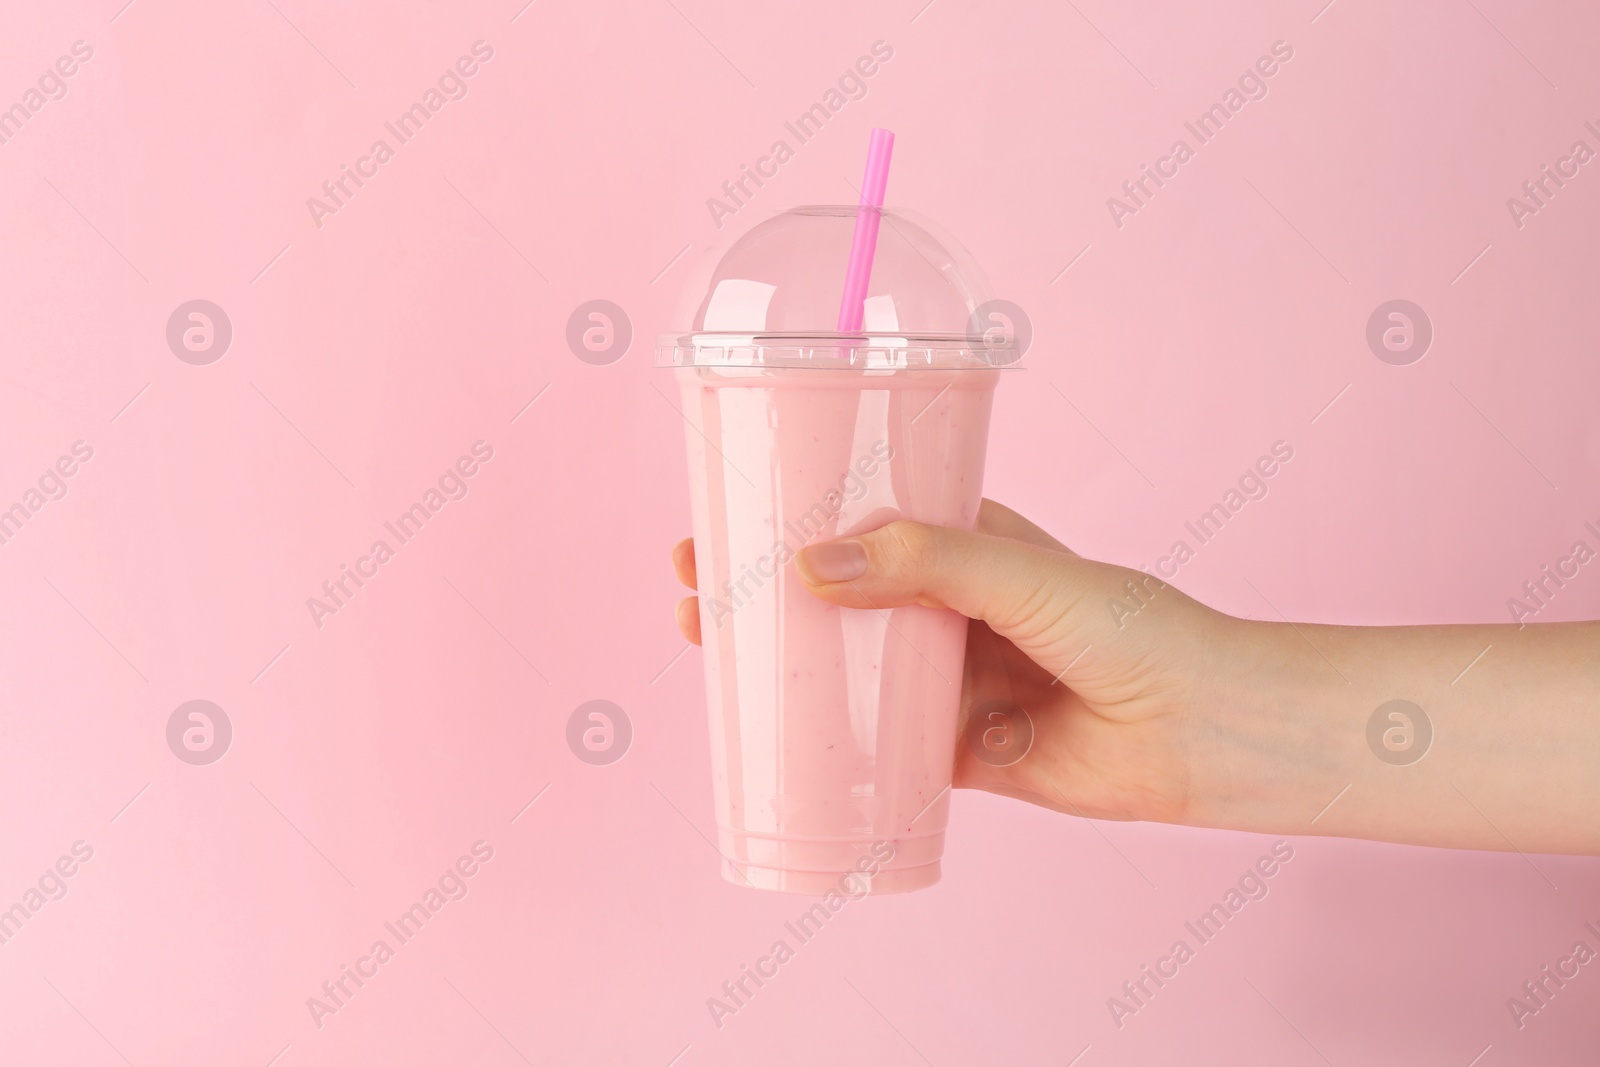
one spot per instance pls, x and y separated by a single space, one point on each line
859 271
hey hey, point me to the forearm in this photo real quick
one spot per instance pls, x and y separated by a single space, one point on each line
1280 741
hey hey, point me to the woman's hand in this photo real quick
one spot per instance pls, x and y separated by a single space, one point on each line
1109 689
1146 704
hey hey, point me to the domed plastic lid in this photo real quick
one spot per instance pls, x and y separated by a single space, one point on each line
773 299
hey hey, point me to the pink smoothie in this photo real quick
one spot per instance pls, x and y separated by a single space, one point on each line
832 729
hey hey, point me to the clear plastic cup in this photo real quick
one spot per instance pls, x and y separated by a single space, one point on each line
833 730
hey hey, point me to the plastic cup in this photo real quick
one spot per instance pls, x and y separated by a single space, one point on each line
832 730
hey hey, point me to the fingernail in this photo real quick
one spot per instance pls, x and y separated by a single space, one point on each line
836 561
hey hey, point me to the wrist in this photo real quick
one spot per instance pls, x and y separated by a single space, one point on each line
1265 736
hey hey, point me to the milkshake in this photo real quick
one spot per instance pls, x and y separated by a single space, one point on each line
833 730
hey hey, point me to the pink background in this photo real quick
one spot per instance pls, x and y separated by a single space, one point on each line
369 353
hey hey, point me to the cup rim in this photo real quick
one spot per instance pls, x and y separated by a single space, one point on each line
932 351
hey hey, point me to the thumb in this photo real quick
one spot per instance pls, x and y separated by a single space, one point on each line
1044 601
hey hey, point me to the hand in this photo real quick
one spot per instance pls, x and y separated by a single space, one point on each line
1149 705
1108 689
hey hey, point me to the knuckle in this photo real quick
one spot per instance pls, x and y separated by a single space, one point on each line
911 548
